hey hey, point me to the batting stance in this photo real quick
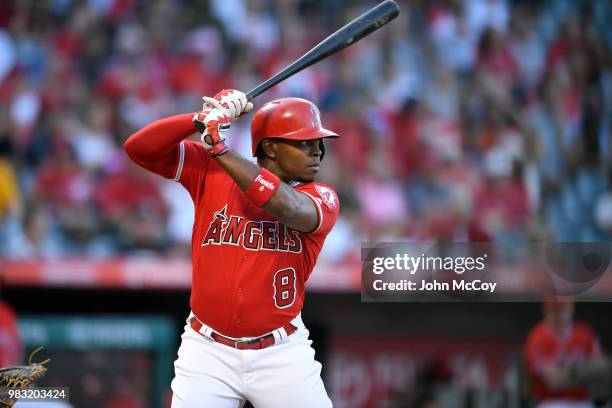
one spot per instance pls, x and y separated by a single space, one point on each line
257 233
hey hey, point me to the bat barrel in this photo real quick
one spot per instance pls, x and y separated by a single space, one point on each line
352 32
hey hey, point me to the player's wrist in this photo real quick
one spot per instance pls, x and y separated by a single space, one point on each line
219 149
262 188
213 125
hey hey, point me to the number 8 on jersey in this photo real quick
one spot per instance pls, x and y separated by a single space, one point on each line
284 287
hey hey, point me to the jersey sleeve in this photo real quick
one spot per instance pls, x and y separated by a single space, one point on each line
192 165
157 146
326 201
590 340
162 147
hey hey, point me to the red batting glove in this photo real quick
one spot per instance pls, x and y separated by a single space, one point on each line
213 125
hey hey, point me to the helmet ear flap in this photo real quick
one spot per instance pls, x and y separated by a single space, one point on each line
321 148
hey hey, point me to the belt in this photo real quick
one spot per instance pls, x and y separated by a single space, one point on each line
253 344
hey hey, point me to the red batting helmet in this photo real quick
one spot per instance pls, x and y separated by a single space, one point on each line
287 118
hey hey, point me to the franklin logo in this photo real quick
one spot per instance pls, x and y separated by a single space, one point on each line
264 182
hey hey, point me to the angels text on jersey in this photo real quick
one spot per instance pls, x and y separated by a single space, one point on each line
227 229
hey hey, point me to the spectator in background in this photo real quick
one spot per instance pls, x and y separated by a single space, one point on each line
500 202
563 359
10 196
452 38
495 57
91 140
40 237
66 188
383 206
133 209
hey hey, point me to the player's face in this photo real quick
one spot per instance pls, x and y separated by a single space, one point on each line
561 316
298 159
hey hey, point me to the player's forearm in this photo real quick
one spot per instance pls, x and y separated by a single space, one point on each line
159 138
290 207
242 171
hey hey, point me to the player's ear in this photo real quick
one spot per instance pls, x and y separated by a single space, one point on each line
269 148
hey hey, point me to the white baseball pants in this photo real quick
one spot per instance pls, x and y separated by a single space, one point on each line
212 375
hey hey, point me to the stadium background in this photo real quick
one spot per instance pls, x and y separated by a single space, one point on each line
470 120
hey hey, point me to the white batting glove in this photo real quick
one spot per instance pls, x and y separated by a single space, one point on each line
234 101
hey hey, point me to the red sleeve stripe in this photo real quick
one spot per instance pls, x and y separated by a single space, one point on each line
318 205
179 168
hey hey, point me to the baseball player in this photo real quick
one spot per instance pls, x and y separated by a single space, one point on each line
562 358
257 233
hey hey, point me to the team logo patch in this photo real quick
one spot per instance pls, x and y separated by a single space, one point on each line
316 119
328 196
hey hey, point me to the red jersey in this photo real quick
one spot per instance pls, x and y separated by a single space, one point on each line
10 342
544 347
249 270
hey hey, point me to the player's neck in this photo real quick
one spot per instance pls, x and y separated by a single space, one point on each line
560 329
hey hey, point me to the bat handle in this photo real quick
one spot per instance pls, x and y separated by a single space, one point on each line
251 94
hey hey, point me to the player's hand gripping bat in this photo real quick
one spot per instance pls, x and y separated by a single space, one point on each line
352 32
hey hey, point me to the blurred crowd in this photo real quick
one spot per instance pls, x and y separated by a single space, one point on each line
479 120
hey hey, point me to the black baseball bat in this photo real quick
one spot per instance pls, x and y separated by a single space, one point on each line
352 32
